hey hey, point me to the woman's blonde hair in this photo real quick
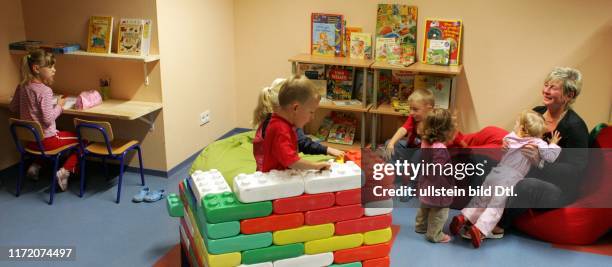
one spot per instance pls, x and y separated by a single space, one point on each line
37 57
571 78
531 123
438 126
267 102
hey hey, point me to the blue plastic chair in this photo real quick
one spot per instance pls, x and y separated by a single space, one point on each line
96 139
24 131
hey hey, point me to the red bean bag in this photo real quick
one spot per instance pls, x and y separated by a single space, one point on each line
575 224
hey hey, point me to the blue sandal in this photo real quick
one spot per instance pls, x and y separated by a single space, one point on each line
155 195
141 195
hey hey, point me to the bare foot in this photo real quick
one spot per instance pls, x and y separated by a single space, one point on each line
445 239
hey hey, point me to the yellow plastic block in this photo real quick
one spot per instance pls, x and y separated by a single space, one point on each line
303 234
211 260
333 243
377 236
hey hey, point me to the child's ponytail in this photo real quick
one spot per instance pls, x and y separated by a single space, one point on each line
267 101
37 57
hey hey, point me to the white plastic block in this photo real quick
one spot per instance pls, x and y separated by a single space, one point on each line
380 207
207 182
341 176
316 260
261 264
268 186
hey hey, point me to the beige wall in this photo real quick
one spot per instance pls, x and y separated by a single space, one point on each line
508 48
11 28
197 46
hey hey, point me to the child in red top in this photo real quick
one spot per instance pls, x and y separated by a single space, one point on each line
33 101
298 101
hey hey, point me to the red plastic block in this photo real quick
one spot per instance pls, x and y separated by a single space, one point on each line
362 253
191 242
364 224
272 223
333 214
380 262
348 197
303 203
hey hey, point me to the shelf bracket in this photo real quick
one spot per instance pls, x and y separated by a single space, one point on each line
148 119
146 74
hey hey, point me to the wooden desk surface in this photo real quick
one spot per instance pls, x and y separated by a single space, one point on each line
112 108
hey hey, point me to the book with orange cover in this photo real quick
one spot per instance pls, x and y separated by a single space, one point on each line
450 30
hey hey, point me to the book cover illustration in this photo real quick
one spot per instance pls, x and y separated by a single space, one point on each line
397 21
440 86
438 52
348 32
324 129
146 36
340 82
449 30
100 34
402 84
130 37
327 34
361 45
315 73
394 53
343 130
358 91
408 54
382 44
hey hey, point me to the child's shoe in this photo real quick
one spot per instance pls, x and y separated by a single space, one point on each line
33 171
456 224
62 178
476 235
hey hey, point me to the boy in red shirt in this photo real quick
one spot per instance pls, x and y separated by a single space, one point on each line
298 101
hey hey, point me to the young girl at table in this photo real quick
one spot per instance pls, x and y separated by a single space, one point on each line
33 100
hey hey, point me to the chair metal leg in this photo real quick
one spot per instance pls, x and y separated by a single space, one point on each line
82 165
122 163
140 162
20 178
54 177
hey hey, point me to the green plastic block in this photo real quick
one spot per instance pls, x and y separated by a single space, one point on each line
210 230
225 207
238 243
174 206
272 253
352 264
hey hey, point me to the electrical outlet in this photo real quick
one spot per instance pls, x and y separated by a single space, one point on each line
204 117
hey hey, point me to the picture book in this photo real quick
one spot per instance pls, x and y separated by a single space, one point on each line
24 45
343 129
394 53
382 44
358 91
440 86
402 84
100 34
323 131
56 48
384 86
361 45
449 30
397 21
326 34
438 52
408 54
130 37
340 82
316 73
348 31
146 36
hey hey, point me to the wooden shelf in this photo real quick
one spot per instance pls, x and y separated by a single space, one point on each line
340 61
387 109
145 59
351 108
355 146
420 67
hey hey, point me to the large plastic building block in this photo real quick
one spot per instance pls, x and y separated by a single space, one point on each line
380 262
209 230
201 251
303 203
272 223
348 197
174 205
340 177
303 234
333 243
322 259
272 253
333 214
262 264
207 182
376 208
363 224
352 264
260 186
224 207
362 253
377 236
238 243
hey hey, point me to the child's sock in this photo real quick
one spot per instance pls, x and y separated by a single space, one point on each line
62 178
33 171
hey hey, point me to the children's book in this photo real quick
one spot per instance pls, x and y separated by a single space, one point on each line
399 22
316 73
382 44
449 30
408 54
326 34
361 45
340 82
358 91
402 84
343 129
394 53
348 32
440 86
146 36
323 131
100 34
438 52
24 45
130 37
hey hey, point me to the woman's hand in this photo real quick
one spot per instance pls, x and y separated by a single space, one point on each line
556 137
335 152
532 153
